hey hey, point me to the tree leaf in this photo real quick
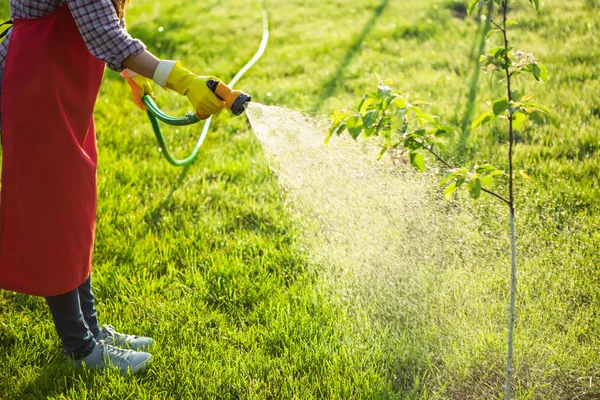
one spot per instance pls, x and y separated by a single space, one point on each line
370 118
443 131
423 115
500 106
487 181
482 119
384 150
338 118
418 161
531 107
453 174
539 71
449 191
363 107
485 168
543 72
491 33
355 125
399 102
474 188
472 6
518 120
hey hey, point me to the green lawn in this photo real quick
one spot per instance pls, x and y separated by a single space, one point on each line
208 261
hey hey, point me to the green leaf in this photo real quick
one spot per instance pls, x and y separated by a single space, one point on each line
487 181
397 120
384 91
453 174
511 22
423 115
485 168
491 33
531 107
482 119
500 106
497 52
411 142
443 131
474 188
363 107
539 71
543 72
449 191
518 120
384 150
338 118
355 125
370 118
472 6
399 102
535 3
418 161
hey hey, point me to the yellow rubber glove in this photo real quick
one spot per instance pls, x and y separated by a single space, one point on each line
139 87
193 86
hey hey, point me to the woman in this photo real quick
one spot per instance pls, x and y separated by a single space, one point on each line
51 67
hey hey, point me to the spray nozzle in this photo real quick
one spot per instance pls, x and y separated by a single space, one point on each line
236 100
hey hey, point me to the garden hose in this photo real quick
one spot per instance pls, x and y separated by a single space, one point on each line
235 100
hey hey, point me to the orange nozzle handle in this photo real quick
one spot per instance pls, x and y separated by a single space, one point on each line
235 100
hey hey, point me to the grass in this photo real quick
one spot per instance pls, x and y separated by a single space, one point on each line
207 260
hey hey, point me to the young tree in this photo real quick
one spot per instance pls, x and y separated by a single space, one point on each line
411 132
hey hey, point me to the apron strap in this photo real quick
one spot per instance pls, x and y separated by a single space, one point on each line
10 24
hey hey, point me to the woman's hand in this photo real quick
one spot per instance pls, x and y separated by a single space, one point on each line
140 86
173 76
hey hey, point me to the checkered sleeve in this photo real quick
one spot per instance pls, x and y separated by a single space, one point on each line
104 34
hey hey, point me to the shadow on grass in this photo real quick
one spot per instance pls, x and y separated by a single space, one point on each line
332 84
479 45
154 217
56 378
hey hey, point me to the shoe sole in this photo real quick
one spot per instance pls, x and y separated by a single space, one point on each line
129 347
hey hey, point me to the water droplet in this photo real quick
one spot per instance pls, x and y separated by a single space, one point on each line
160 29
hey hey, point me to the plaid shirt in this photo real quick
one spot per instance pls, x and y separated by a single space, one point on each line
104 34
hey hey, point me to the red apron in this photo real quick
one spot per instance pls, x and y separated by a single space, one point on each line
48 199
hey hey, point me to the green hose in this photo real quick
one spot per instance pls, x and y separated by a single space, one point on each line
155 114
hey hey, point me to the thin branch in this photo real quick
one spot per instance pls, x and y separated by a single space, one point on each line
440 159
496 195
498 26
449 166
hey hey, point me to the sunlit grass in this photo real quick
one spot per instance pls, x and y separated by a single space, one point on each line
207 260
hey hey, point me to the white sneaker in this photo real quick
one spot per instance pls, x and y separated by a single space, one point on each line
106 356
109 335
